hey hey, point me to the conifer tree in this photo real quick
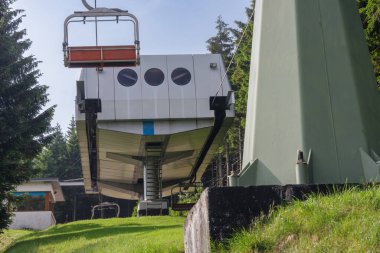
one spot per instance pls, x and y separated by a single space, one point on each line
51 161
222 42
61 158
74 168
242 59
226 42
370 14
24 123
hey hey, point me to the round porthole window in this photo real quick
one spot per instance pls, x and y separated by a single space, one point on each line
154 77
181 76
127 77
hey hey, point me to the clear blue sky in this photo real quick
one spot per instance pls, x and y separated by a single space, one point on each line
166 27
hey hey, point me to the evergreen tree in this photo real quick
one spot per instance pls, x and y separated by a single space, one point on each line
222 42
239 78
228 42
370 14
61 158
74 168
24 124
242 59
51 161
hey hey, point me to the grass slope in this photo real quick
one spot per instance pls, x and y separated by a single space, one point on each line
148 234
6 239
343 222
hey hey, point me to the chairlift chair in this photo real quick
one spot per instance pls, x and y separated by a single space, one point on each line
184 188
105 206
101 56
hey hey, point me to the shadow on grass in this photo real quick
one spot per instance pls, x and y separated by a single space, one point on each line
137 246
69 228
88 231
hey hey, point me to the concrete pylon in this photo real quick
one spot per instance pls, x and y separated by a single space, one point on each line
313 108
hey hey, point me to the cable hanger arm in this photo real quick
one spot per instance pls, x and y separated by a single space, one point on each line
88 7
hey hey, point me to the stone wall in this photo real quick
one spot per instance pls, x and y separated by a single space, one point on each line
222 211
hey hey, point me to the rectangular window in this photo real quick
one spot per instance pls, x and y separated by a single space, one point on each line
30 201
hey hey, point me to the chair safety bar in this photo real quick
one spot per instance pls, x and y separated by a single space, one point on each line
183 186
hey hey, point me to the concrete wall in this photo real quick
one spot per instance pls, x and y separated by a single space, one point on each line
197 228
36 220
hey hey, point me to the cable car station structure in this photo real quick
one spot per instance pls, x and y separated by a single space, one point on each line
145 123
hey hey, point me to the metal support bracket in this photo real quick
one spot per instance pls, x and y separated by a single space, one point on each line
219 105
91 108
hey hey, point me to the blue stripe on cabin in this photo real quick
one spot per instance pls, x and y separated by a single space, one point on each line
148 127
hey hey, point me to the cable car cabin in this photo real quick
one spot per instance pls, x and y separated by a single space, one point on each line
155 125
101 56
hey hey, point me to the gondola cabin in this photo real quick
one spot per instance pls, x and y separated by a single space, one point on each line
144 129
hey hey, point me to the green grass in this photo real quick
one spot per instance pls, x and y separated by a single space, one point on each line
343 222
8 238
148 234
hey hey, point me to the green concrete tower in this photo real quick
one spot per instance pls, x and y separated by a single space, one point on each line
313 108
